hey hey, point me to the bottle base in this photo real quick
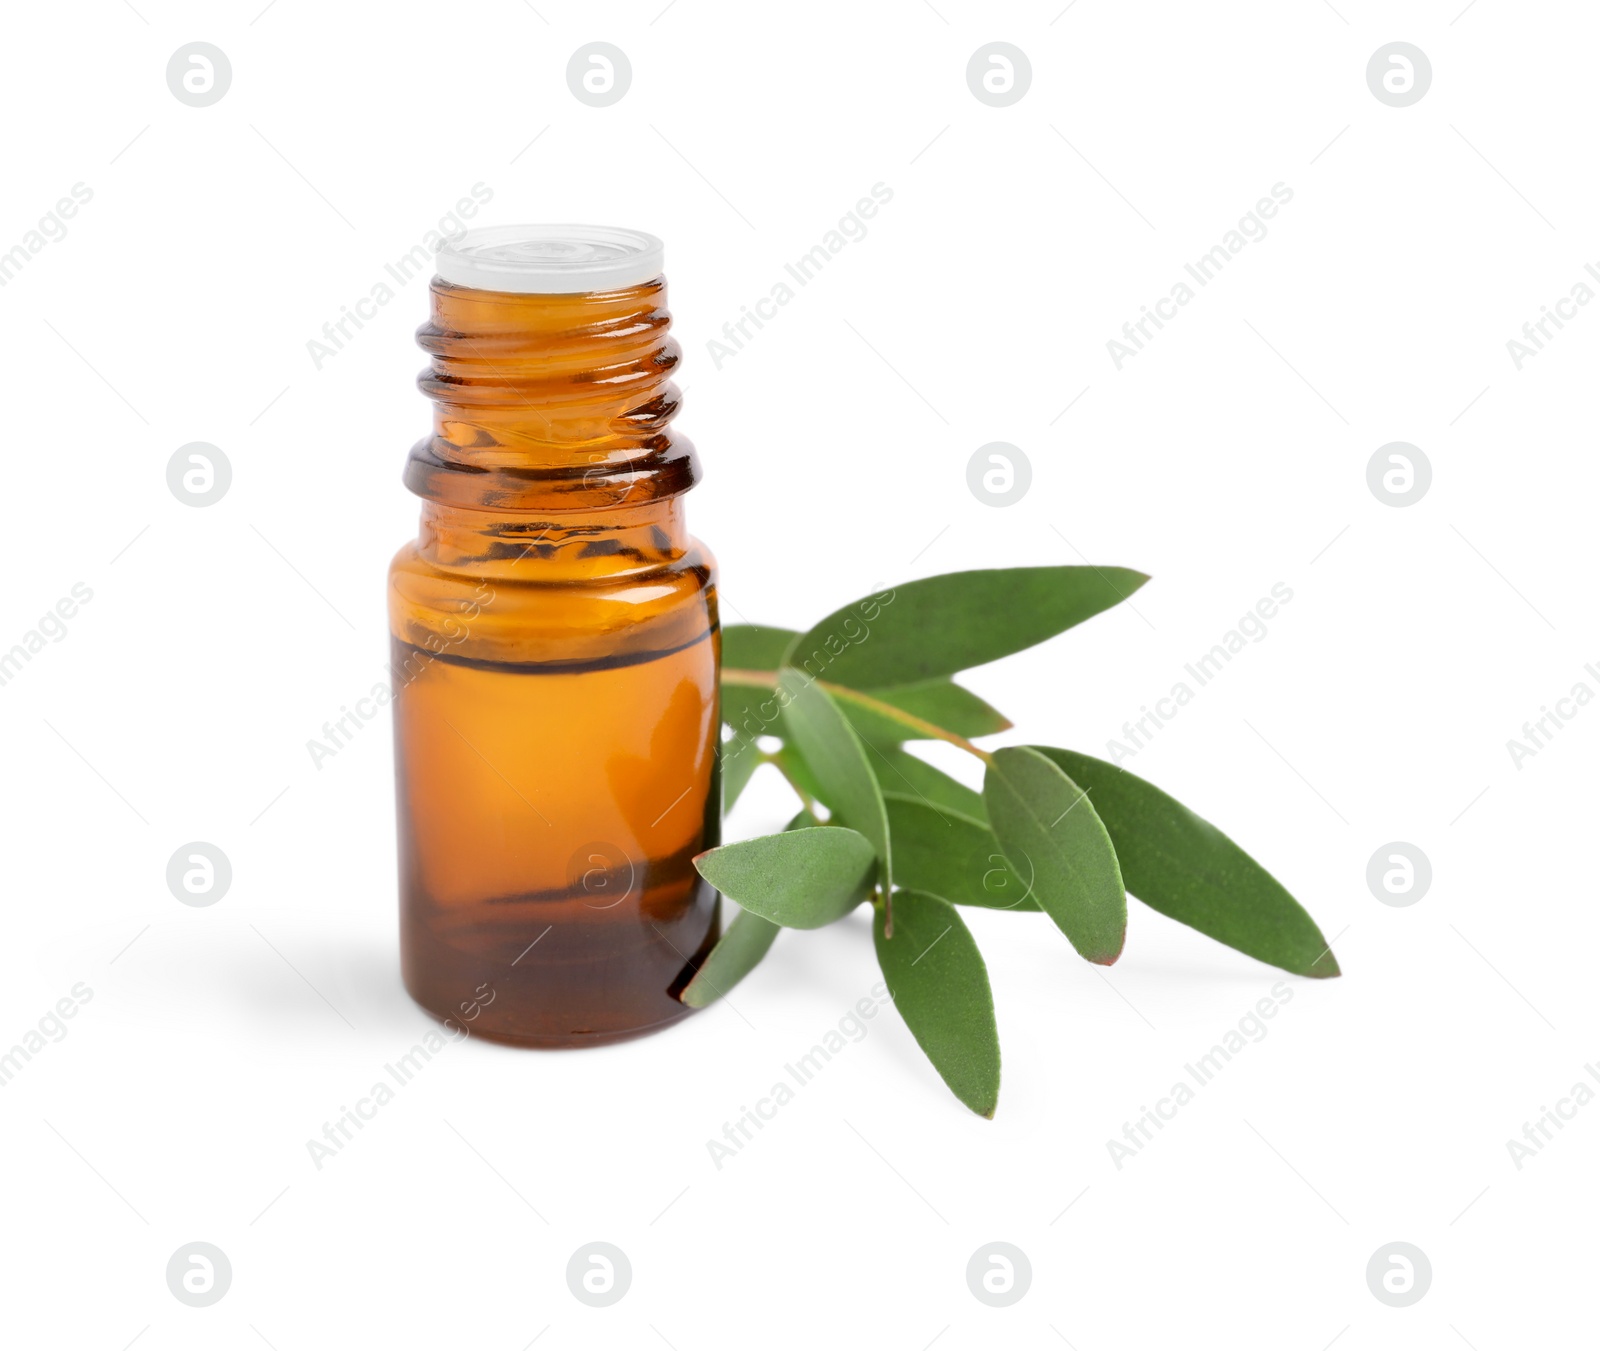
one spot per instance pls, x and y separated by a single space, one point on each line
544 1040
554 974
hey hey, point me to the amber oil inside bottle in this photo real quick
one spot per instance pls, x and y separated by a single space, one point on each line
555 659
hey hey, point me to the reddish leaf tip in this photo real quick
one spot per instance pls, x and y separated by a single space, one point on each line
1122 942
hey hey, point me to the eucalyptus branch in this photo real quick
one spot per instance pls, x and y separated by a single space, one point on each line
1053 831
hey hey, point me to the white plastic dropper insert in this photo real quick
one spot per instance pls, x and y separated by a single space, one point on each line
550 259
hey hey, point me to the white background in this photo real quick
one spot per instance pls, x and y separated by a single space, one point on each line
1228 456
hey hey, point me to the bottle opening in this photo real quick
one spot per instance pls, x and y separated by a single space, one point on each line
550 259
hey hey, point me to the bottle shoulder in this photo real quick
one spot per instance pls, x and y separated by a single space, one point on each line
530 613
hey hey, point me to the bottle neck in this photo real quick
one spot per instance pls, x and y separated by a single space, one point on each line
551 413
590 545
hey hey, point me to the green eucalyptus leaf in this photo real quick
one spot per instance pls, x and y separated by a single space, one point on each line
837 760
940 625
750 708
1050 832
801 879
1186 868
751 647
743 944
941 702
939 983
901 772
739 760
792 764
951 855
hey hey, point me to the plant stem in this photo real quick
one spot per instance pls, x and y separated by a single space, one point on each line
769 680
806 800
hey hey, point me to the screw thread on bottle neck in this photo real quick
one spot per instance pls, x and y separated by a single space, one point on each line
550 404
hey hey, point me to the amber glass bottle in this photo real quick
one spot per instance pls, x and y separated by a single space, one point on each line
555 650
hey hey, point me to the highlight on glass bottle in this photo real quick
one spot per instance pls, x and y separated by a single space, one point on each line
555 650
